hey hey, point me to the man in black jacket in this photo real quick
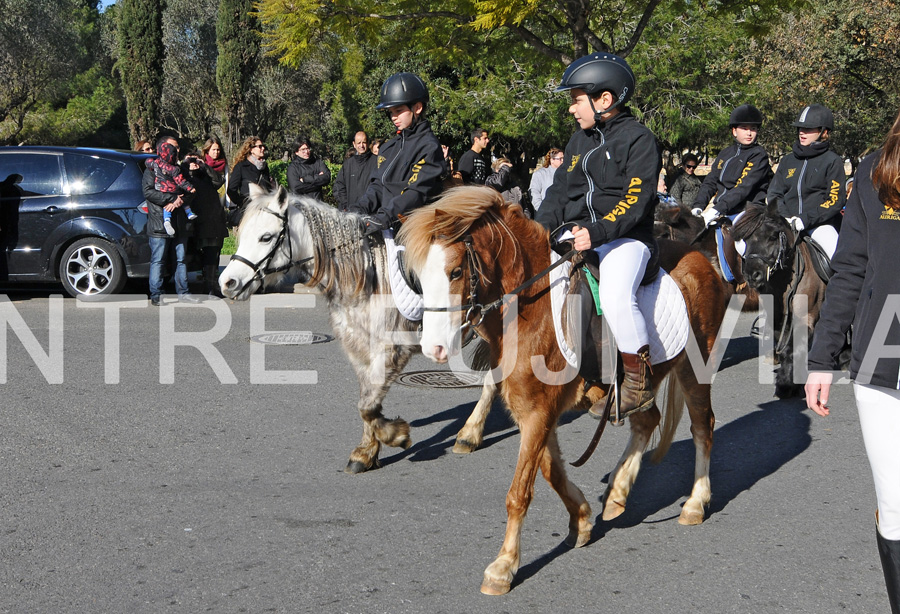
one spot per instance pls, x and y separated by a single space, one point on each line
160 239
353 178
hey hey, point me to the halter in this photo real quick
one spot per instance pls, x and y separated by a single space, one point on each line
261 269
779 262
475 311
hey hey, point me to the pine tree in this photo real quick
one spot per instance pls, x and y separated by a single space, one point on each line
140 63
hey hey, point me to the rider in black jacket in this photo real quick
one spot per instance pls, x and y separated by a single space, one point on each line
409 166
607 187
809 185
740 173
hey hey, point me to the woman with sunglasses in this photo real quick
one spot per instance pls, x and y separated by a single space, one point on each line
542 178
687 184
249 167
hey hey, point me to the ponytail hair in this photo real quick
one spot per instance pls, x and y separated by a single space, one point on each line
886 174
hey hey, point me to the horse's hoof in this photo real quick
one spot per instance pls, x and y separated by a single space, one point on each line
354 467
577 539
494 587
464 446
612 510
690 519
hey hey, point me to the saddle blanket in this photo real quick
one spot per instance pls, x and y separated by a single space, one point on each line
408 302
661 303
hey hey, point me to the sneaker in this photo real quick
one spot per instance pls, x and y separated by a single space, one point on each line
155 301
188 298
170 230
192 216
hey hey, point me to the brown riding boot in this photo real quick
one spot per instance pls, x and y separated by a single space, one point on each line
636 391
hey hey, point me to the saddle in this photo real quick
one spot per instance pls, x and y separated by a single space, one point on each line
820 260
730 261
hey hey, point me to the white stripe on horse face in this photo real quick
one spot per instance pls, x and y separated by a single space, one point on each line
440 337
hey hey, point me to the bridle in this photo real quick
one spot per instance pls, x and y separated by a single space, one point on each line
475 311
780 258
261 268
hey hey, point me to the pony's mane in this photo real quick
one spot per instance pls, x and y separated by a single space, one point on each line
342 258
448 219
753 218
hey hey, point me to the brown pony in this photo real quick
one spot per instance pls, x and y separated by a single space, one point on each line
679 224
472 244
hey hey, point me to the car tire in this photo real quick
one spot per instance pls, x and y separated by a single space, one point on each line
92 267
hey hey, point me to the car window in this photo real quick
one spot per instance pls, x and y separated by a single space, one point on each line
90 174
30 174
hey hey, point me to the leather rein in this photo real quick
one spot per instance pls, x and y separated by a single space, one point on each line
261 268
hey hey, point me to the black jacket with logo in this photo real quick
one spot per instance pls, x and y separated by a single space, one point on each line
739 175
864 285
407 174
353 179
810 187
308 176
607 182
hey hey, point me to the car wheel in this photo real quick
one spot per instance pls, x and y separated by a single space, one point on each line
91 267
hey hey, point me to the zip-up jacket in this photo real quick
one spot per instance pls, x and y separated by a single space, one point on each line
308 176
407 174
156 202
353 179
739 175
811 188
864 280
607 182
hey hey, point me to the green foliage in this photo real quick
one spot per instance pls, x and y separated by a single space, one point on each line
237 40
140 63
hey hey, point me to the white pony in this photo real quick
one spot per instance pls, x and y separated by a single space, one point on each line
279 232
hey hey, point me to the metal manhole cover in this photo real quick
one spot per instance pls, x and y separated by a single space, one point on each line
441 379
292 338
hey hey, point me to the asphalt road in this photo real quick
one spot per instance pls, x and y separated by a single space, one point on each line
204 496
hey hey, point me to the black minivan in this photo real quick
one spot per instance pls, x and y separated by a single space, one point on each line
72 215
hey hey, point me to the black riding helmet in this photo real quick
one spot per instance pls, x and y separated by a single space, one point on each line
815 116
746 114
597 73
402 88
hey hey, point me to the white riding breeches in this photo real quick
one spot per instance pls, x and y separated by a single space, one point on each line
622 266
827 237
879 417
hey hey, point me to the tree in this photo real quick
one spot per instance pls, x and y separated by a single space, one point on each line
238 44
140 64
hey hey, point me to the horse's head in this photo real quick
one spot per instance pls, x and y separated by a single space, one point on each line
266 248
769 247
676 223
455 246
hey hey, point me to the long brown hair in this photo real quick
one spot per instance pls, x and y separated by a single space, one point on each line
886 175
549 155
213 140
246 146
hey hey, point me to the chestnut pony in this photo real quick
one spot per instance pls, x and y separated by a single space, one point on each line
471 243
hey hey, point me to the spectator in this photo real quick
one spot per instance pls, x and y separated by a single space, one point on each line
210 229
542 178
168 178
861 293
353 178
143 147
160 241
687 184
249 167
808 188
410 164
214 159
472 165
502 180
307 173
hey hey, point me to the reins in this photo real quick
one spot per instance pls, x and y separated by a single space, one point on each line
475 311
261 269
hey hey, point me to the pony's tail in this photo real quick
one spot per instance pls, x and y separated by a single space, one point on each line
671 415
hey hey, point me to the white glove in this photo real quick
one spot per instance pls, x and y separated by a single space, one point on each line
709 216
698 212
796 223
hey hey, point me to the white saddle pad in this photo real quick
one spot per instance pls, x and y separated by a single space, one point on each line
661 303
408 302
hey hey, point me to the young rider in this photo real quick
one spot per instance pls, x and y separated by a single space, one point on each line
409 166
809 185
607 187
741 172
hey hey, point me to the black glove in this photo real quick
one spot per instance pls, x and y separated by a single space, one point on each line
372 225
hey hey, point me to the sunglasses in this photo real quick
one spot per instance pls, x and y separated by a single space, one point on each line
690 166
557 158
